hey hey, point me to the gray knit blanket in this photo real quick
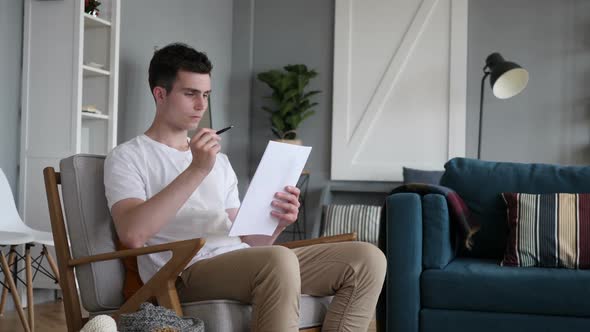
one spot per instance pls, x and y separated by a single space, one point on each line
150 318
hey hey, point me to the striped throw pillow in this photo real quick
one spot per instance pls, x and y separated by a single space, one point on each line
548 230
362 219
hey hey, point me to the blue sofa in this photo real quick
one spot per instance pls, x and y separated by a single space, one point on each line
432 286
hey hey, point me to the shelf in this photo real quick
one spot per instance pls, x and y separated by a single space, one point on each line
92 116
93 72
95 22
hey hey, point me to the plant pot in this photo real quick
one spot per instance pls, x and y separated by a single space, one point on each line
290 141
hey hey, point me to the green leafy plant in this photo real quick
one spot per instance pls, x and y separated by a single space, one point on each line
292 104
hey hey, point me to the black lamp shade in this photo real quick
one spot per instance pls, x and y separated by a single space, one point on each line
506 78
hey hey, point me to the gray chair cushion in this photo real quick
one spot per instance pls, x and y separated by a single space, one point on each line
91 231
313 310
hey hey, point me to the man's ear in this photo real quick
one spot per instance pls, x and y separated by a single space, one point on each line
159 93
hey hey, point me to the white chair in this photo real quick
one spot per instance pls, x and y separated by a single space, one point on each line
16 232
13 239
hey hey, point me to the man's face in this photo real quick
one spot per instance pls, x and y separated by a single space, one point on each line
185 105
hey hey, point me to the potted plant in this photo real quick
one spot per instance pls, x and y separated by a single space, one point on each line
291 103
91 7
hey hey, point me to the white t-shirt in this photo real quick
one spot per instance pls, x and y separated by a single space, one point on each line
142 167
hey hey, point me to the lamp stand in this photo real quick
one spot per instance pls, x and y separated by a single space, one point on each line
486 74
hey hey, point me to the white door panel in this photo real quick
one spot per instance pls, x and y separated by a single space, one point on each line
399 86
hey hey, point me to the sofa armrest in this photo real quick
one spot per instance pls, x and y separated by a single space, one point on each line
403 249
438 250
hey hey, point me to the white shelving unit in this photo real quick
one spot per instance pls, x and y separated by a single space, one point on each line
70 60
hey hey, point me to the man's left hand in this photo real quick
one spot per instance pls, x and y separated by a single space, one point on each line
286 206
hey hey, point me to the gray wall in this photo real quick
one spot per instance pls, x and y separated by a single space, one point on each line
215 27
292 32
205 25
145 24
239 112
550 121
11 40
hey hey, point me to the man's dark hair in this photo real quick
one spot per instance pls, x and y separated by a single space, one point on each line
167 61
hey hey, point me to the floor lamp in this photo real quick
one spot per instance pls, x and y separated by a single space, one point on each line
507 80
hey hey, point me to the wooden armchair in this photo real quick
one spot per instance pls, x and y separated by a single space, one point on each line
86 255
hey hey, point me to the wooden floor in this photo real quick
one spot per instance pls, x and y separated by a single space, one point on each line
50 317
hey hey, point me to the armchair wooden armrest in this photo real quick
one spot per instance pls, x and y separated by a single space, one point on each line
325 239
182 253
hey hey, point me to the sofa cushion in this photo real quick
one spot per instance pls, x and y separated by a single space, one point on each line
359 218
459 321
480 184
412 175
483 285
549 230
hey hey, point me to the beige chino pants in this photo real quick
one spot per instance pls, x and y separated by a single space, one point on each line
272 278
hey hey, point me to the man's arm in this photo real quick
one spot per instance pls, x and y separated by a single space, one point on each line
287 210
136 220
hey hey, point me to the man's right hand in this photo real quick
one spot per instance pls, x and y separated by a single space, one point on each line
204 147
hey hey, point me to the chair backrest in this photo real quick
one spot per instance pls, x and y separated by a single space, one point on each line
10 220
91 231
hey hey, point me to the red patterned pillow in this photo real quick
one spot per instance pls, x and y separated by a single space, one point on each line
548 230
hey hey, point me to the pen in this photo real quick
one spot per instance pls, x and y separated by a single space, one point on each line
221 131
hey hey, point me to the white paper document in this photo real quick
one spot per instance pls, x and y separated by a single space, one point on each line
280 166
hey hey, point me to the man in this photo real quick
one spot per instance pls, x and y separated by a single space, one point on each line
163 187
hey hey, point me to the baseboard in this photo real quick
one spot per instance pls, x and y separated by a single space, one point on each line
40 295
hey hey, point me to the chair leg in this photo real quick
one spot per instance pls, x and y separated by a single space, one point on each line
11 258
14 292
30 300
51 263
